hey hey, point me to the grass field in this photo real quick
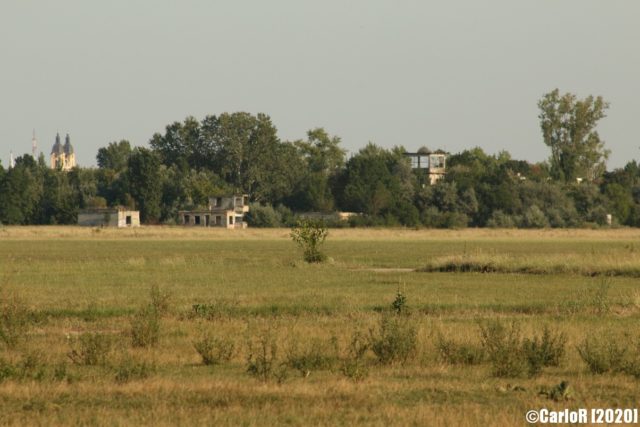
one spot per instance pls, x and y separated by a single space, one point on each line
70 293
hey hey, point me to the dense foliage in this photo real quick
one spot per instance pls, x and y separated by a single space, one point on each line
241 153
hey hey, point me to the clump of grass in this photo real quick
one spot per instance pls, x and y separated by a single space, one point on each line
15 321
7 370
145 324
354 365
90 349
218 308
394 340
214 350
160 300
456 353
316 355
129 369
601 301
145 327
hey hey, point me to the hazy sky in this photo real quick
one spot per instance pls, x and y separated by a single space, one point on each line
445 74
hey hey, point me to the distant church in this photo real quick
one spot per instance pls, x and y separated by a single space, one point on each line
63 156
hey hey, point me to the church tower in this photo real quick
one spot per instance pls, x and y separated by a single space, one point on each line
69 155
57 154
63 156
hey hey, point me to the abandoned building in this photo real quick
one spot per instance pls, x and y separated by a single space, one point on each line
226 212
434 163
109 217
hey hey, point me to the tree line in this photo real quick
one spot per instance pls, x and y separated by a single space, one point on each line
241 153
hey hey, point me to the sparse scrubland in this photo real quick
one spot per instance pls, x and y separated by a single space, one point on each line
172 326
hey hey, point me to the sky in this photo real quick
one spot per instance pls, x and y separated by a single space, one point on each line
451 74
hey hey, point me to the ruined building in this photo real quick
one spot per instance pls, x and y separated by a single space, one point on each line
433 163
226 212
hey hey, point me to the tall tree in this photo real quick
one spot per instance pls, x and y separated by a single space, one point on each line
114 156
145 182
568 128
323 160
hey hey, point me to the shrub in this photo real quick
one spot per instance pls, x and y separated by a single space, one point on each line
317 355
14 321
262 360
129 369
218 308
600 300
534 218
31 367
501 220
456 353
546 350
90 349
394 340
263 216
399 305
145 327
7 370
503 346
354 365
214 350
310 235
159 300
603 353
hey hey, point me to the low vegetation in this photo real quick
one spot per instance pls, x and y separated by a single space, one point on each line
165 328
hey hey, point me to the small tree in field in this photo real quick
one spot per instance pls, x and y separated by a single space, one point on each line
310 235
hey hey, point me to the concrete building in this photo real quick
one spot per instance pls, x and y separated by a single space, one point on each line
434 163
109 217
62 156
226 212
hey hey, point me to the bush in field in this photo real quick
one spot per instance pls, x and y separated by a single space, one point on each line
456 353
394 340
503 345
214 350
310 235
399 305
90 349
600 300
7 370
354 365
145 324
261 216
129 369
145 327
545 350
14 321
603 353
160 300
263 360
316 355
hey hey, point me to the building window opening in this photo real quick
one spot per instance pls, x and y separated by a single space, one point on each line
197 219
128 220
